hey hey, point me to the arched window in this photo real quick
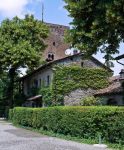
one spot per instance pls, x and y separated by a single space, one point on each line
50 57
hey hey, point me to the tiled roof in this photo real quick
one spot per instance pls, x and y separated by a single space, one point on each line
55 61
113 88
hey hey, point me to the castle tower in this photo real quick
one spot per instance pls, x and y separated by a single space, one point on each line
56 44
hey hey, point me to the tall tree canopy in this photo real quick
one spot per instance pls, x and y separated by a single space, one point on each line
21 45
96 25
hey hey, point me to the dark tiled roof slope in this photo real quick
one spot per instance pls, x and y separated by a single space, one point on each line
55 61
113 88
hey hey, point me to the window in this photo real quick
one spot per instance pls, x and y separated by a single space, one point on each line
71 59
82 64
50 57
48 80
35 85
40 83
54 44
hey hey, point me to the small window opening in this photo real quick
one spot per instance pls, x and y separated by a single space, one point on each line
82 64
40 82
50 57
48 80
35 84
54 44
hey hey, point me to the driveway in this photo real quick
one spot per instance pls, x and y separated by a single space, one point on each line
12 138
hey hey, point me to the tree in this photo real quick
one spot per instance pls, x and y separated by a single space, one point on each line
97 25
21 46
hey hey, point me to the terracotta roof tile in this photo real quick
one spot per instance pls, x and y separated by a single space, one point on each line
114 87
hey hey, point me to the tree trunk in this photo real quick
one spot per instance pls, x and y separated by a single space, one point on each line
10 90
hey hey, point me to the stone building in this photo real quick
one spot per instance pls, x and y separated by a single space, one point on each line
55 54
56 45
114 93
44 75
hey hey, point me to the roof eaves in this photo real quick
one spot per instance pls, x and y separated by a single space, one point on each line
102 64
55 61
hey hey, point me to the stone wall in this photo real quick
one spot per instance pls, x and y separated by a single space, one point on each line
42 74
55 41
41 78
75 97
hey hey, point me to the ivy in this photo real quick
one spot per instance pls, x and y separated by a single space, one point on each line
69 78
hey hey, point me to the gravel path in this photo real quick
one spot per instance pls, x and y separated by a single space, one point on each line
12 138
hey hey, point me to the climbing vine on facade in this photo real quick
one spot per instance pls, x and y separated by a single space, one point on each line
67 79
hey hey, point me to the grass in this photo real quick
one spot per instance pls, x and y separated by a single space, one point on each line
70 138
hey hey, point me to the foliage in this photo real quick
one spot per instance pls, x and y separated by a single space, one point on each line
90 101
3 84
21 42
19 99
21 45
96 25
47 96
67 79
80 121
50 97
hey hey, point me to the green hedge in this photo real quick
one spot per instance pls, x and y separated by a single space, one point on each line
80 121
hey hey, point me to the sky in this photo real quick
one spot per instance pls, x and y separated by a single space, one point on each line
53 13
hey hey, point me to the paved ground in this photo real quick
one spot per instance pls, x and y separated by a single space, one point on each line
12 138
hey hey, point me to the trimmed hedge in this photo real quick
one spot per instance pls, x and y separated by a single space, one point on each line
85 122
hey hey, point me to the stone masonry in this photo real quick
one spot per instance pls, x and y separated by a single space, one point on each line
55 42
74 98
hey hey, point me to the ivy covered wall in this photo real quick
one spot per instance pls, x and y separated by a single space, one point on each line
69 78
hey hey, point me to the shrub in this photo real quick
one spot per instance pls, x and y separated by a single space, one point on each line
90 101
78 121
47 96
22 116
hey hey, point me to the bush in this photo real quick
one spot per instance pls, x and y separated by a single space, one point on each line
47 96
22 116
78 121
90 101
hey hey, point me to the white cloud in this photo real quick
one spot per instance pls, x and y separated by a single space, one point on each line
11 8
